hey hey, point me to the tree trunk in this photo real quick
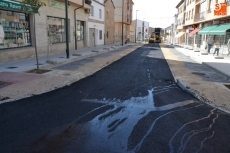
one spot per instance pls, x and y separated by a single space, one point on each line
35 44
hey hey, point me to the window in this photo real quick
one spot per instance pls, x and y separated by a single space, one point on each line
107 15
92 11
189 15
80 30
192 14
107 34
56 29
14 29
209 5
100 14
100 34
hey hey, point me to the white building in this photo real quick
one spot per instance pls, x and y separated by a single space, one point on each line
96 23
142 29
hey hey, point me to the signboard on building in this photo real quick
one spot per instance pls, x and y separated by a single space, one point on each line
220 9
15 6
57 4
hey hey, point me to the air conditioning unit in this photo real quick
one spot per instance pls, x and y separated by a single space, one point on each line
87 10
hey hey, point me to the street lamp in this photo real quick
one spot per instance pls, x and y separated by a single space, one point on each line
122 30
136 27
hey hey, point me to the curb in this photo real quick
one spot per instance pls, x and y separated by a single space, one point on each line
187 89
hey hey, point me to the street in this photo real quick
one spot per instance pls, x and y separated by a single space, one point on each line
132 105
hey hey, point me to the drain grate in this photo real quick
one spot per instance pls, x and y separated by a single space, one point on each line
3 84
198 73
12 67
61 57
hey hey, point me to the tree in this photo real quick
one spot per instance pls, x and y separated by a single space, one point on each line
32 6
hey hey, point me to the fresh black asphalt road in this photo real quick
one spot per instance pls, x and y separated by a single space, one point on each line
132 105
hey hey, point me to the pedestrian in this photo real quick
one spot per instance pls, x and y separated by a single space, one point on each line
217 48
209 43
228 46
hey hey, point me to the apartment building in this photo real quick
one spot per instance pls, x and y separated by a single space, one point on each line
17 36
195 15
96 23
123 12
109 22
142 29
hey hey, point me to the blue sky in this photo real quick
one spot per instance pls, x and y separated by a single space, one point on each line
158 12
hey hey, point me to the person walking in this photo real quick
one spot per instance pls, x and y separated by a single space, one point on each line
217 48
228 45
209 43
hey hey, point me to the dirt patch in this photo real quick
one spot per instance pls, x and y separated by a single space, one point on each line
40 71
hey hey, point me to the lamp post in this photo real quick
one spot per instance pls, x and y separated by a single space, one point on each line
136 27
67 28
122 26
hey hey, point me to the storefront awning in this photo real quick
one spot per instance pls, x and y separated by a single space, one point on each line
206 29
193 32
14 6
179 34
220 30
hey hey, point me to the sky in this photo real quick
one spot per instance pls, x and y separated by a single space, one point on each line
159 13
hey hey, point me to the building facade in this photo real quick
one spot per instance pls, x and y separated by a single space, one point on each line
196 15
141 29
18 30
123 14
96 23
109 22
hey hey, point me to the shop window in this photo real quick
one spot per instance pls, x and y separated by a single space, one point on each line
57 29
80 30
14 30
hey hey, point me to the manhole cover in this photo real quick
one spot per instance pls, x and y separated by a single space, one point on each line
195 83
3 84
12 67
198 73
227 85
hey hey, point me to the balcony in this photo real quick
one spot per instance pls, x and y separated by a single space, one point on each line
199 17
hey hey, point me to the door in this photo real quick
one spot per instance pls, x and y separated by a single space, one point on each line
91 37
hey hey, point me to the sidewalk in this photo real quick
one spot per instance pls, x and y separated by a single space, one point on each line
15 83
201 75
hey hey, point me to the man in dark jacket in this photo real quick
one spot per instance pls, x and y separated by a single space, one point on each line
209 43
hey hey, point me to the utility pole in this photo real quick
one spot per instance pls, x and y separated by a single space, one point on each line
136 28
67 28
122 27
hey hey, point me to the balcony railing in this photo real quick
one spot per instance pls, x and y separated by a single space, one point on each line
197 1
199 16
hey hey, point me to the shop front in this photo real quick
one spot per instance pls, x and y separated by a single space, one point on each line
15 29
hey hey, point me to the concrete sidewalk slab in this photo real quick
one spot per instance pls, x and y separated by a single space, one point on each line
198 79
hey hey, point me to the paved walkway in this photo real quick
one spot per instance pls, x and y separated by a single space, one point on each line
202 75
15 83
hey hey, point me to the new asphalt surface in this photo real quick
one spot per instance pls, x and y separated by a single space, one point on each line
132 105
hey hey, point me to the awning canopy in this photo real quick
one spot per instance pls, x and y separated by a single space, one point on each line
15 6
206 29
179 34
193 32
220 30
